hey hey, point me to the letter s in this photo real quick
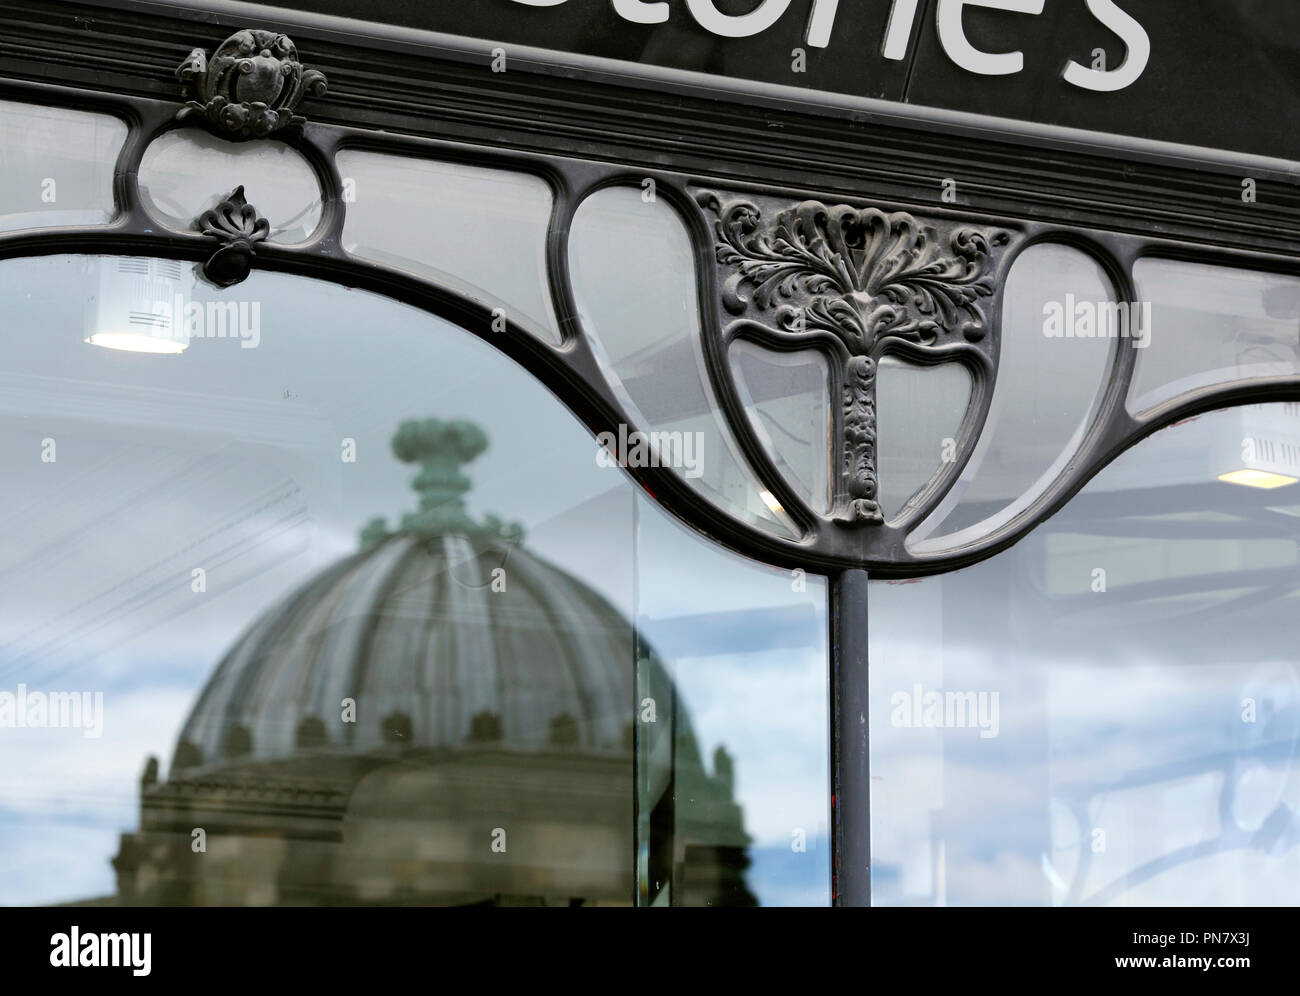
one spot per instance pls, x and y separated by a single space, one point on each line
1135 39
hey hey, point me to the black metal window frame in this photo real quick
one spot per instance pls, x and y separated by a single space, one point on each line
584 125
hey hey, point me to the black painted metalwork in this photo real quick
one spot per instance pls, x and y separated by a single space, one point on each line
974 252
850 740
857 284
727 131
236 224
251 87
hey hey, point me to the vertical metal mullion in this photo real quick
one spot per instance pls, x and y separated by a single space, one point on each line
850 740
639 869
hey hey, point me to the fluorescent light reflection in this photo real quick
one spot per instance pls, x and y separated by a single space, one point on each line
1258 479
135 342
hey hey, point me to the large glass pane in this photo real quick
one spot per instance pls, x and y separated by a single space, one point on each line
310 600
57 166
1210 325
188 171
1056 350
634 280
734 781
1109 712
339 638
481 232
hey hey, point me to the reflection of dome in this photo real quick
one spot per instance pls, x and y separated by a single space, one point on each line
413 631
442 717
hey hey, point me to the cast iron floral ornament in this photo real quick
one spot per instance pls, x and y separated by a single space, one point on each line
863 282
251 87
236 223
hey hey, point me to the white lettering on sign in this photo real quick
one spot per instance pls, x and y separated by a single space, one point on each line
902 15
952 36
641 12
759 19
1134 37
899 29
820 22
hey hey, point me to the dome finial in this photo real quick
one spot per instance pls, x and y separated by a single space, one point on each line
440 448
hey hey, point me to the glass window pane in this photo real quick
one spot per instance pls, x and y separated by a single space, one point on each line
787 397
480 232
919 415
271 560
188 171
1051 374
1108 713
1211 325
57 166
734 780
634 281
193 537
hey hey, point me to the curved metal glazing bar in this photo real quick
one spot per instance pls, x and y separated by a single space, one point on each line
1052 374
921 413
57 165
634 284
187 171
479 231
787 399
864 285
1211 325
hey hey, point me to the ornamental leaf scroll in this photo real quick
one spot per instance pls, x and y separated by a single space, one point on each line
251 87
875 281
238 227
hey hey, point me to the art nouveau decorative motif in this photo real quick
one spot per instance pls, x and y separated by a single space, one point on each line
860 283
236 223
251 87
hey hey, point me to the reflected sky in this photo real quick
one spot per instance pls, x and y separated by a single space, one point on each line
1142 645
748 653
229 459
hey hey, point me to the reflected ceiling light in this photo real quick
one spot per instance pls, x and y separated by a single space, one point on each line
139 305
136 342
1258 478
1258 446
770 501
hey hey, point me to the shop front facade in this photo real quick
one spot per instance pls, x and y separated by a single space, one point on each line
570 452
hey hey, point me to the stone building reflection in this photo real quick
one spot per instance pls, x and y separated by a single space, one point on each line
442 717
